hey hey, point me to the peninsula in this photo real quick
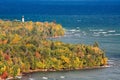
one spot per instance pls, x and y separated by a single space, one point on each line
24 48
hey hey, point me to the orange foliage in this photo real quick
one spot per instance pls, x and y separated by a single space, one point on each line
5 41
7 57
38 23
29 27
37 54
46 24
4 75
96 49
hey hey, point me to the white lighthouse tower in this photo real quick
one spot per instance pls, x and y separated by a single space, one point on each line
23 20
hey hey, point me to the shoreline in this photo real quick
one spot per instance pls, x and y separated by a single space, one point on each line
52 70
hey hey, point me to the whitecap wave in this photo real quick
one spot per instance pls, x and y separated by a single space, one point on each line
111 31
45 78
62 77
111 62
111 34
108 34
72 30
96 35
78 35
96 30
117 34
84 33
101 32
31 79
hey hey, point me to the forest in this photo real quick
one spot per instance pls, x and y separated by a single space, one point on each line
25 47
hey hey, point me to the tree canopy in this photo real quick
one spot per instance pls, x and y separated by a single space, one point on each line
24 47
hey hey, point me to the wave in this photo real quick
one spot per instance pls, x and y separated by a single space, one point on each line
62 77
111 31
84 33
111 62
96 35
92 32
45 78
117 34
111 34
103 32
99 32
95 30
31 79
74 30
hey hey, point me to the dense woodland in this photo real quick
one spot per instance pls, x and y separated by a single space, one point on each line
24 47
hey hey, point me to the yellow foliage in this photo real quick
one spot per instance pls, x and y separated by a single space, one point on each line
29 45
54 59
14 71
67 60
10 62
38 23
3 33
61 66
22 67
2 67
16 39
96 49
104 61
18 71
40 65
77 59
57 27
58 43
46 24
88 56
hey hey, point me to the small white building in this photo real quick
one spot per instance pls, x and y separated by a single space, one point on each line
23 20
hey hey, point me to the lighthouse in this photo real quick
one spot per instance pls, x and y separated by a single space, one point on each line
23 19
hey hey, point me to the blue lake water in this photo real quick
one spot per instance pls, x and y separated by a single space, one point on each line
84 23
